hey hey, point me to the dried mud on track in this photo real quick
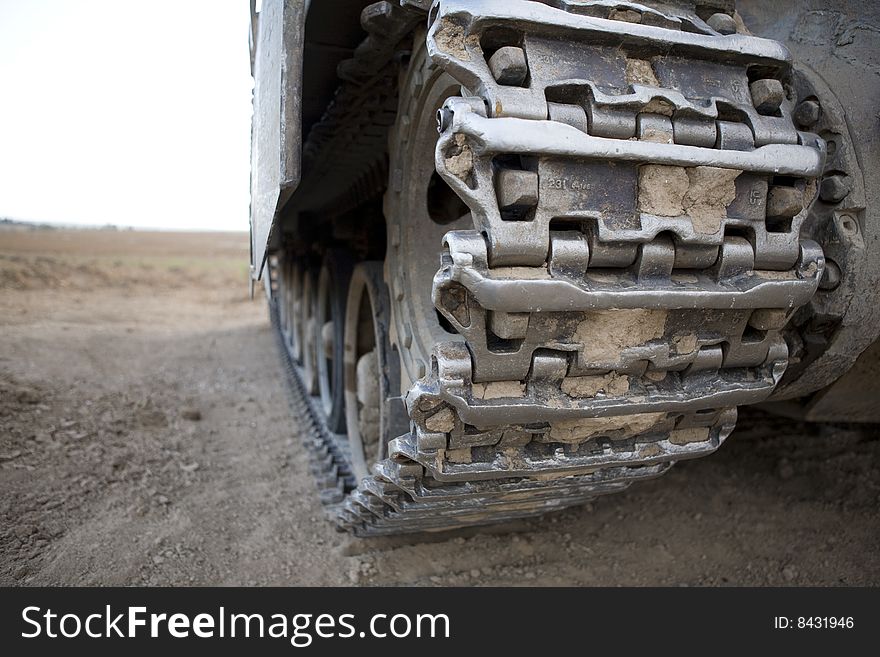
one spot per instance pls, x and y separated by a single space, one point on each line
145 438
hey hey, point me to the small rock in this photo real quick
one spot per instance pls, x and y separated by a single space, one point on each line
191 413
434 579
529 575
27 396
475 573
789 572
157 559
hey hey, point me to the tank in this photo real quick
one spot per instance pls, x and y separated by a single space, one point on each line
523 253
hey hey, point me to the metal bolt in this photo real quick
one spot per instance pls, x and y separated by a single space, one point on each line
834 188
784 201
848 224
722 23
767 95
830 277
807 113
516 187
508 66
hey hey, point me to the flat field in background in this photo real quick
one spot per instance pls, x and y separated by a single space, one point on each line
145 438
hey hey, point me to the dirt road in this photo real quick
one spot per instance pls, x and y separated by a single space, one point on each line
145 438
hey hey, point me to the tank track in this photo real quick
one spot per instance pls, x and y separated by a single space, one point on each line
399 497
637 188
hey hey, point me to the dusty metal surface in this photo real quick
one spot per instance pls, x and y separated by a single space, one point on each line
715 280
837 78
645 217
275 134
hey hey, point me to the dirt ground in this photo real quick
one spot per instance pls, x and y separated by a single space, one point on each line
145 438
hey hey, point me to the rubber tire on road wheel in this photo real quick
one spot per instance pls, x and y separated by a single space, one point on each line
283 297
367 281
296 312
309 348
330 306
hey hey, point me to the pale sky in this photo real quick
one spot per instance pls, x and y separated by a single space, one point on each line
125 112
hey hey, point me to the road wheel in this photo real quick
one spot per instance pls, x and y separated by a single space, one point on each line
367 372
420 211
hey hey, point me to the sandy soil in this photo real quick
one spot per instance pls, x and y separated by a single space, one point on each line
145 438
